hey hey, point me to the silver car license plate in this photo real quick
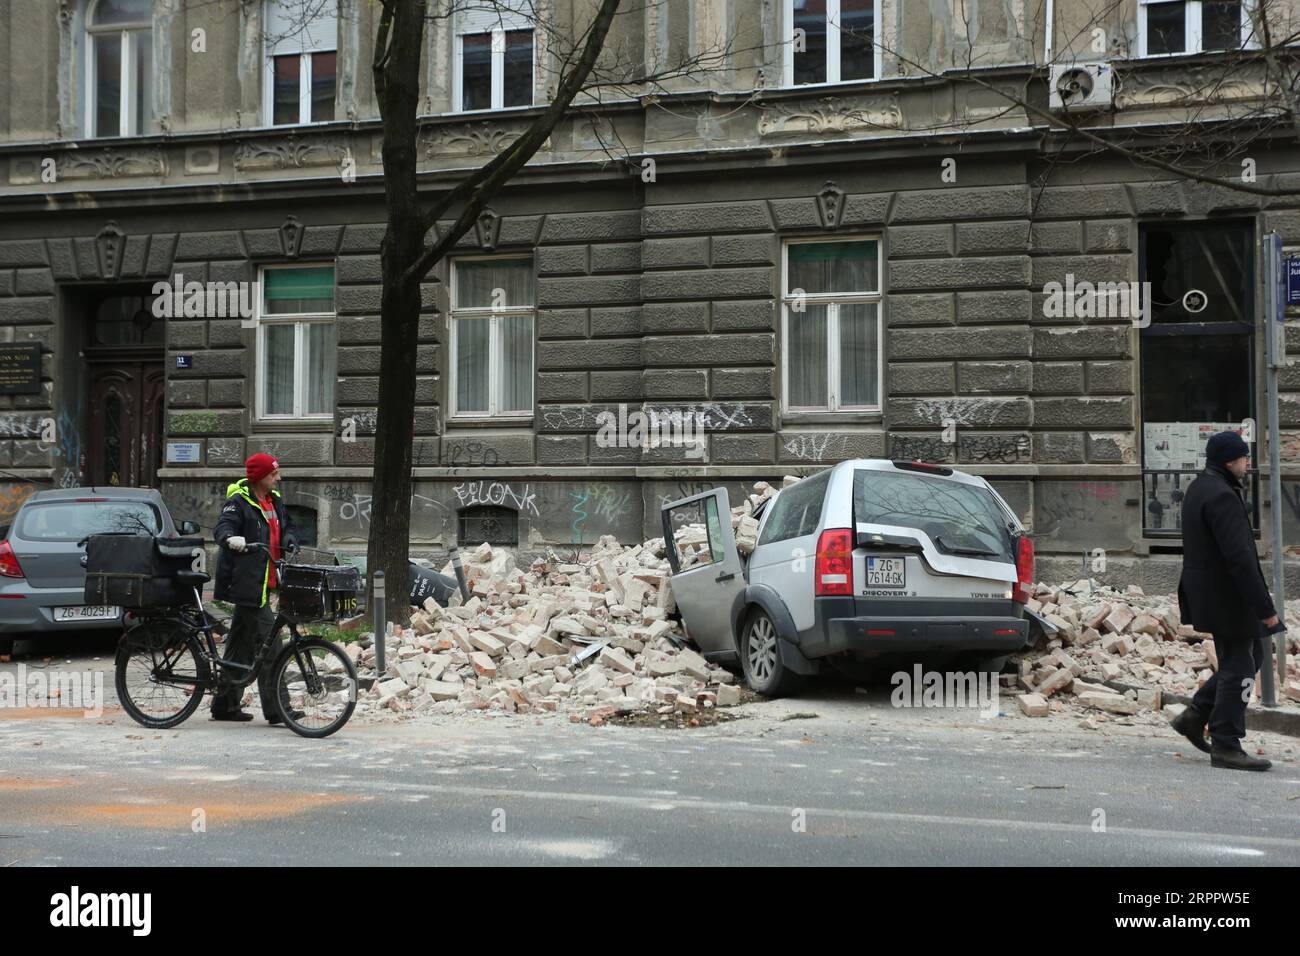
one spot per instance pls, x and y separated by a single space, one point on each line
886 573
93 612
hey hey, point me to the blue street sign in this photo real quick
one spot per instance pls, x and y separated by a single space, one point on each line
1293 280
185 361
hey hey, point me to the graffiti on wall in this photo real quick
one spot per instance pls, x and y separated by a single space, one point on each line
496 493
604 501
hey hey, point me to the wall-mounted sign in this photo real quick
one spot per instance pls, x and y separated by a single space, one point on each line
184 452
20 369
1293 280
185 361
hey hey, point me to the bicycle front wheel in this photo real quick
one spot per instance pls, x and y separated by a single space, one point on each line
160 674
315 687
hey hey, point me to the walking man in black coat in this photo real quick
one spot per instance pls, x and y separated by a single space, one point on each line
1222 591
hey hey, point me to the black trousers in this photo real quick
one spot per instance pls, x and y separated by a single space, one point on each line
249 628
1222 699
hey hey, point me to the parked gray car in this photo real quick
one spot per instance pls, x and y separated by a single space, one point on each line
42 573
868 559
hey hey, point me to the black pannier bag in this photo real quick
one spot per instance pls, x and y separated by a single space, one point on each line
320 592
138 571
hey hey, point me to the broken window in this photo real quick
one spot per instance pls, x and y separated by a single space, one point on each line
831 41
830 314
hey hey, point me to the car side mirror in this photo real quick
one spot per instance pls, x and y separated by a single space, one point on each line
188 527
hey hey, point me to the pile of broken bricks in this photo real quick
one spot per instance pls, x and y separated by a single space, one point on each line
1106 639
591 638
596 637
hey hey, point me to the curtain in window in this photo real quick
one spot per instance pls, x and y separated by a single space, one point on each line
298 291
517 363
807 361
478 280
321 365
858 351
277 367
823 267
472 365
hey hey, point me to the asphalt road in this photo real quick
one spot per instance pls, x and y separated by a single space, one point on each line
860 783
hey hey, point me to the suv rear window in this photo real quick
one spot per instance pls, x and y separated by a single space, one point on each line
73 520
960 519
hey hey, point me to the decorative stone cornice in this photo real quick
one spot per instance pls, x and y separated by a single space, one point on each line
829 114
111 163
288 151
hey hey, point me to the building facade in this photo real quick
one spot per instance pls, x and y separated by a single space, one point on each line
825 241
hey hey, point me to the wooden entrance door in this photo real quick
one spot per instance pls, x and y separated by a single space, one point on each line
126 423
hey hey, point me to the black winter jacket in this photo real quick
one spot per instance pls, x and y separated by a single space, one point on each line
1222 589
242 577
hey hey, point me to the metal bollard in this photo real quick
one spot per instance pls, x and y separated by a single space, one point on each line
381 631
454 553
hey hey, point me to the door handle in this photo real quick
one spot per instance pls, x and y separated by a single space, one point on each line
725 577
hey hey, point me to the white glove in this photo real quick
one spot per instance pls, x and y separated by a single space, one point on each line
236 543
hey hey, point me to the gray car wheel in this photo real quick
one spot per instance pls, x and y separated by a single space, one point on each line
760 656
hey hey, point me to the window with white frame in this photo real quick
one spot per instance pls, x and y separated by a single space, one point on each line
296 342
831 41
494 57
830 326
119 67
1167 27
492 337
301 76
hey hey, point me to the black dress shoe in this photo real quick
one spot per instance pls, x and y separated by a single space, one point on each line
239 716
1233 759
295 714
1192 726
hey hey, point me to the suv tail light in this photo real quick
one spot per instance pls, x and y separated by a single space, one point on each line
1024 569
9 566
833 571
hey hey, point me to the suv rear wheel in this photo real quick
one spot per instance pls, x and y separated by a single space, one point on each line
760 656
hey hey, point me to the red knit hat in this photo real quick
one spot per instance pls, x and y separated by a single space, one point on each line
259 466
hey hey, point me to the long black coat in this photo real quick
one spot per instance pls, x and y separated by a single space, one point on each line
242 576
1222 589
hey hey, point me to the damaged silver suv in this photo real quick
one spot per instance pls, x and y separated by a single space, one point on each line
869 559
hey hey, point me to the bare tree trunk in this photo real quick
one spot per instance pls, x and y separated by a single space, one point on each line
397 83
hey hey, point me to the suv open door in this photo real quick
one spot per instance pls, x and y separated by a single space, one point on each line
707 577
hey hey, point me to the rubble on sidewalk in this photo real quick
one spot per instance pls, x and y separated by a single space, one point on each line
1105 635
591 638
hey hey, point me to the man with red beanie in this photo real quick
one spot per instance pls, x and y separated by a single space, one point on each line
253 514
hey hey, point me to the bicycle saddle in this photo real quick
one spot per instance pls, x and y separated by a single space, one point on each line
192 578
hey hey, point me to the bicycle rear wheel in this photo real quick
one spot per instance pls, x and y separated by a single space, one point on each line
314 678
160 673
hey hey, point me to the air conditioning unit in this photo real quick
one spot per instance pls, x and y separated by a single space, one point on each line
1081 86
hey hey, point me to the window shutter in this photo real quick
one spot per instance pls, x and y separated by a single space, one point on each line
288 30
505 15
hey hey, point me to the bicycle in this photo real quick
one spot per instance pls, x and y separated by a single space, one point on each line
171 652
